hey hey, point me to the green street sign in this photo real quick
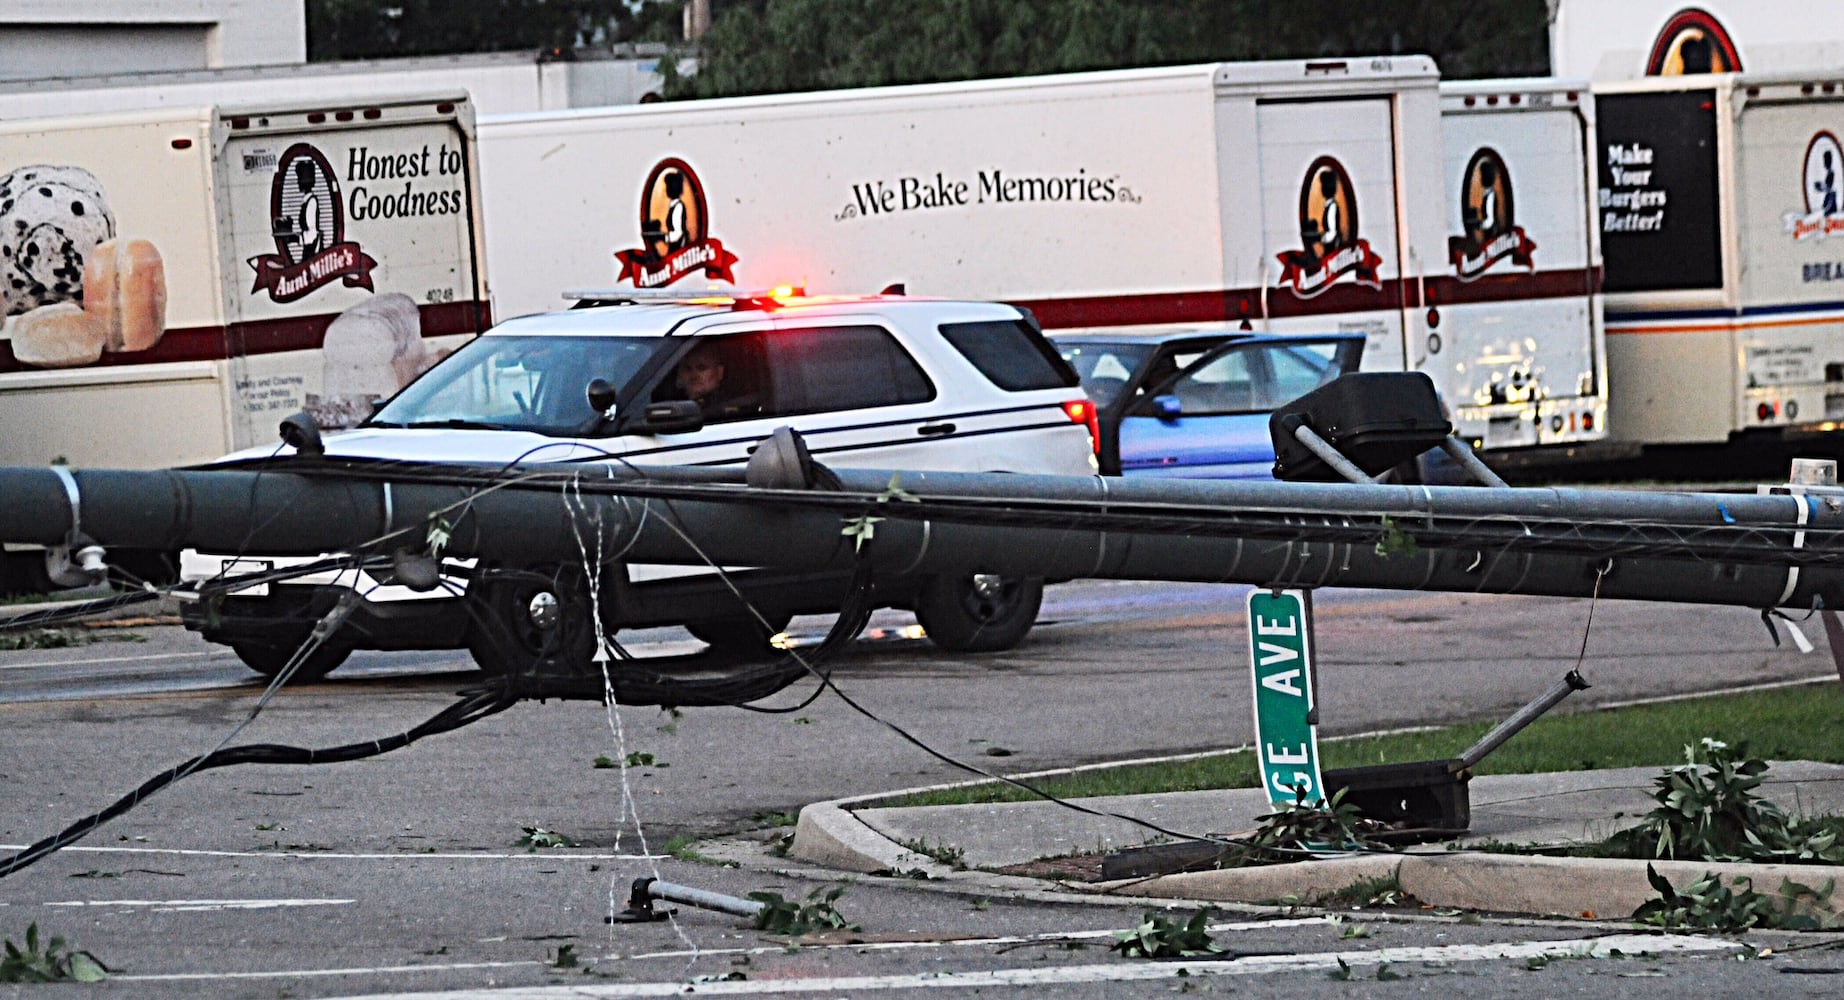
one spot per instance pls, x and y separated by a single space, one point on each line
1286 726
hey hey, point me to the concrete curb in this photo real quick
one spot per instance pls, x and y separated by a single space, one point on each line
1585 888
832 835
828 834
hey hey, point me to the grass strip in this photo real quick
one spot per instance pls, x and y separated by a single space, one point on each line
1791 723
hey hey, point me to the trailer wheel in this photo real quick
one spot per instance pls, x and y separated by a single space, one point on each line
742 635
533 620
978 612
268 660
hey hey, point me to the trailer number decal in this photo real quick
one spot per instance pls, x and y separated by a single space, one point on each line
1328 234
674 232
1488 231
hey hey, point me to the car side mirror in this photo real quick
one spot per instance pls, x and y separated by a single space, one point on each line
1167 407
674 416
601 395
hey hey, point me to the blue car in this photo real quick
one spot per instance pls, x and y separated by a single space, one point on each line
1195 405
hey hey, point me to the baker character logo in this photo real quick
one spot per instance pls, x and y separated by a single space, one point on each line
309 225
1330 246
1489 232
1822 183
674 231
1693 41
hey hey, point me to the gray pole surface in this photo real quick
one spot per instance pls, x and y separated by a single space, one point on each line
1752 551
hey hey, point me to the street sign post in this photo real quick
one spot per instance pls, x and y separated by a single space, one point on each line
1286 721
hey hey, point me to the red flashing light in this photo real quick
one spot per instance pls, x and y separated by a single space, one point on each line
343 116
1829 88
445 108
1081 411
240 123
1587 421
1492 99
1517 98
1573 96
316 117
182 143
1470 101
373 114
1806 88
1754 91
1764 411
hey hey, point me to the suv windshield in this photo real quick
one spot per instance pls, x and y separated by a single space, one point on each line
518 383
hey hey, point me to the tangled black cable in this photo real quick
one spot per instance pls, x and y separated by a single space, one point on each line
473 706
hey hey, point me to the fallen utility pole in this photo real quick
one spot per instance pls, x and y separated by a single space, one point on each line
1759 551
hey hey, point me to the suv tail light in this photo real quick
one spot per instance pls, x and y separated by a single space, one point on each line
1081 411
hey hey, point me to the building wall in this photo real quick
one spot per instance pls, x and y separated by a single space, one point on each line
40 38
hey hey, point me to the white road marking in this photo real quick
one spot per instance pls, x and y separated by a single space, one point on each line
1240 925
1119 972
320 973
1631 945
201 905
216 654
340 856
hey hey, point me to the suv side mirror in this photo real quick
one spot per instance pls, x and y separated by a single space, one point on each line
675 416
601 395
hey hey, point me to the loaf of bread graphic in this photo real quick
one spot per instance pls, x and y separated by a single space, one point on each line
371 350
124 309
60 335
125 288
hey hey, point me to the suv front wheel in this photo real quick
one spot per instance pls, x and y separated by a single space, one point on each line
978 612
531 621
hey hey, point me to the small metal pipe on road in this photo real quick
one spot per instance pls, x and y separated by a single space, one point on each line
1569 684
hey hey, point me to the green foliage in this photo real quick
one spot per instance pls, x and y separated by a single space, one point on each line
54 964
1395 541
953 857
566 957
1384 890
1158 937
1707 904
41 638
1346 974
1712 813
770 46
1286 833
783 916
370 29
535 837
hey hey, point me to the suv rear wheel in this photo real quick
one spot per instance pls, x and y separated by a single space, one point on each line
978 612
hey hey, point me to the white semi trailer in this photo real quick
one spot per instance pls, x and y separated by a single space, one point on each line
1281 196
177 281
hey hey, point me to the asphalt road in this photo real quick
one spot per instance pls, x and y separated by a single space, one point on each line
404 872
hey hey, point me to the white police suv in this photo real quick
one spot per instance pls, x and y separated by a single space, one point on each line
883 381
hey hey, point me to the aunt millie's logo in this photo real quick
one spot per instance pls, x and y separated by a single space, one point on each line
1488 230
1822 180
308 222
674 231
1328 234
1693 41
